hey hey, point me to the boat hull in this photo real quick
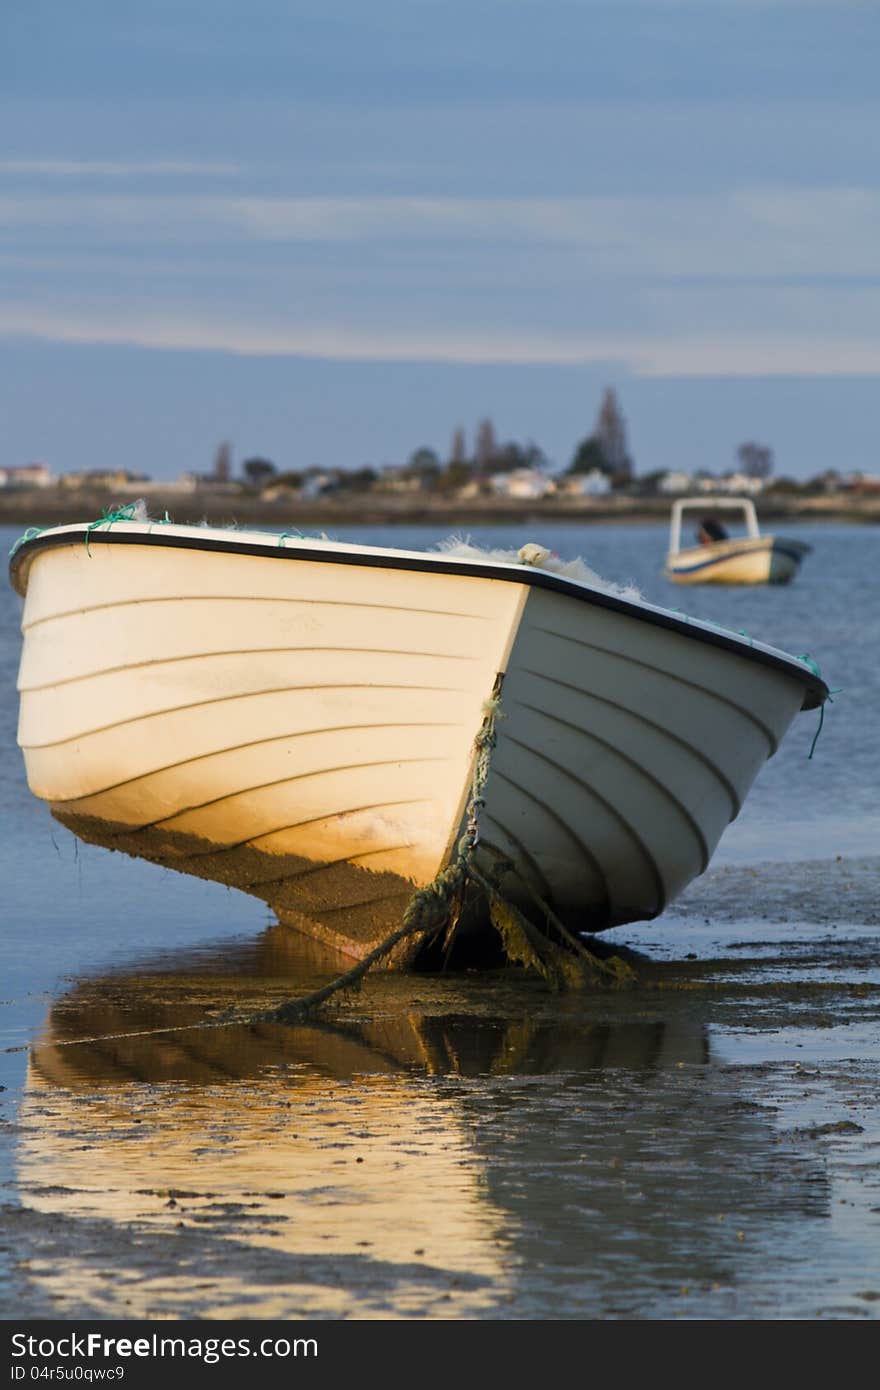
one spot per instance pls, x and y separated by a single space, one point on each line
766 560
302 727
259 725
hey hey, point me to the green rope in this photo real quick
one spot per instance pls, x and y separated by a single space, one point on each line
438 906
285 534
431 909
30 534
126 513
817 671
818 731
813 665
831 694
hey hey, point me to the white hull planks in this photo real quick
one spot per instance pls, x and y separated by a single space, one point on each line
300 723
620 762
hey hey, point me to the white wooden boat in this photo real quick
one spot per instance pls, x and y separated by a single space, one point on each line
296 718
718 559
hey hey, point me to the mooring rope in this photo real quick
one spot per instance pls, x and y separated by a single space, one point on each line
430 909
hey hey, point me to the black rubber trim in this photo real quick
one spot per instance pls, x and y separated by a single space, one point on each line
816 691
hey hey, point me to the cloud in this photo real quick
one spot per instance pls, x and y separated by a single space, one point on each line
76 168
742 283
643 355
742 231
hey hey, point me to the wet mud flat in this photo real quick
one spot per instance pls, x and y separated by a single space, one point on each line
705 1145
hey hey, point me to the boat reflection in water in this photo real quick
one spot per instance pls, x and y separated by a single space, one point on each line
427 1156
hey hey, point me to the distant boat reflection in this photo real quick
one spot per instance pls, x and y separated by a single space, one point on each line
427 1157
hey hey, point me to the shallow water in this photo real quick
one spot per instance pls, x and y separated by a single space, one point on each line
704 1146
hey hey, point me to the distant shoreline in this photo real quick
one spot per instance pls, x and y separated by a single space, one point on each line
40 507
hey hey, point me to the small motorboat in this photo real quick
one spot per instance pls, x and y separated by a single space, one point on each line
306 720
718 558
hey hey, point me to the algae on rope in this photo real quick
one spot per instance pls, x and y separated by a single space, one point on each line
436 908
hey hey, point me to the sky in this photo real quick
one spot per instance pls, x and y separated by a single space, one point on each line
332 232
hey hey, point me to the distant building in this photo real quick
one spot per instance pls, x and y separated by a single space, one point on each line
528 483
102 479
397 477
595 483
863 482
26 475
739 483
192 482
674 481
149 487
319 482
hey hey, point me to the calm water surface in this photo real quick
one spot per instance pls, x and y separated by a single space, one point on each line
704 1146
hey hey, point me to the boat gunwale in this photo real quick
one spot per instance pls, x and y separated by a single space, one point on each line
815 693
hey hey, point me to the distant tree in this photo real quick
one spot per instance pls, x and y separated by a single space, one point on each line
289 479
649 483
755 460
485 448
258 472
610 432
424 467
829 480
588 455
422 458
455 475
507 458
458 448
356 479
533 456
605 449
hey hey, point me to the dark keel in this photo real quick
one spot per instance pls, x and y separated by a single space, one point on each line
341 905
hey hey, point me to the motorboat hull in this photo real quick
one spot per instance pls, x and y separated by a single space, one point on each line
767 560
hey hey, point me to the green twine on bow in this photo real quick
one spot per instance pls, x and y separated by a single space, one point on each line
818 731
30 534
817 671
285 534
813 665
126 513
831 694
